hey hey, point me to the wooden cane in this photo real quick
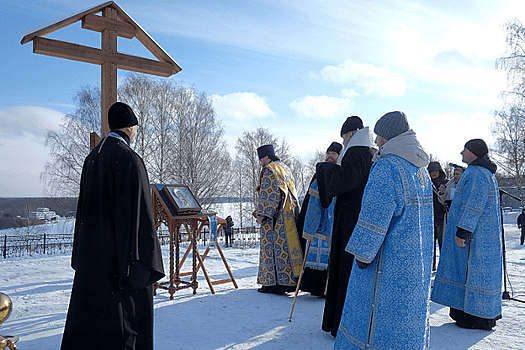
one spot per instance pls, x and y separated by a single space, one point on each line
300 278
434 258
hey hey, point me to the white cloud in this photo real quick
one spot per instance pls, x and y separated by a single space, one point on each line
444 135
23 159
22 145
461 59
17 121
324 107
241 106
372 79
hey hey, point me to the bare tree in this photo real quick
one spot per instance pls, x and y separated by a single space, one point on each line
179 138
514 62
302 175
509 122
248 160
240 178
509 150
202 158
142 94
319 156
70 145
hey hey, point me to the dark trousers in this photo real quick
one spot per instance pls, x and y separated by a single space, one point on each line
228 237
522 235
438 232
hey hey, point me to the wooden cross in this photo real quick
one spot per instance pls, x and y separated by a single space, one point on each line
113 23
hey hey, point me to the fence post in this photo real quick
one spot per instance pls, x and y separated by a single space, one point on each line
5 246
44 242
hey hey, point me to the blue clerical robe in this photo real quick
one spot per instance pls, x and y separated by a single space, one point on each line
318 229
470 278
387 303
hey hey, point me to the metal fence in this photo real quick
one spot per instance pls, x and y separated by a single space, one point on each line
242 237
31 244
47 243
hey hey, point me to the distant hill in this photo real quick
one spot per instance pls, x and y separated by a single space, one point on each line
11 208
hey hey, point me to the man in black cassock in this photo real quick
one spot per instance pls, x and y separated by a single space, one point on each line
116 254
345 180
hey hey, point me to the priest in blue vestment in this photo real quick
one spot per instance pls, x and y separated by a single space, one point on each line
469 275
315 227
387 303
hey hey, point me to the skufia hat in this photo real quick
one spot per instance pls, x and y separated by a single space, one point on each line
120 115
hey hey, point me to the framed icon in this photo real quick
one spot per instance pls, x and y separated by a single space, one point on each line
181 199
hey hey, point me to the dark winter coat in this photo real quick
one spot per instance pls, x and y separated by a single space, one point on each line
346 182
116 255
521 221
229 225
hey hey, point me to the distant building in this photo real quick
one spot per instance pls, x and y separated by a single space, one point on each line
44 214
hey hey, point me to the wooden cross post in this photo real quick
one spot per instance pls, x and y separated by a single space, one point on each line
109 72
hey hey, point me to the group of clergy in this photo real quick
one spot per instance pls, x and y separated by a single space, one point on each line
374 206
365 205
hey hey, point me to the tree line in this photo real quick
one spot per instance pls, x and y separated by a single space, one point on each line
181 140
509 121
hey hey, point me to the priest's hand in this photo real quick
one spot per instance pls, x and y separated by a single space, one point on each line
460 242
260 219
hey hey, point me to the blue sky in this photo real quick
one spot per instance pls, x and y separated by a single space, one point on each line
296 67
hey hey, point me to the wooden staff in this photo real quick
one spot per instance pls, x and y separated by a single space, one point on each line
300 278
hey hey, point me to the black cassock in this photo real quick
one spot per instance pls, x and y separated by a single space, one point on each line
116 254
346 182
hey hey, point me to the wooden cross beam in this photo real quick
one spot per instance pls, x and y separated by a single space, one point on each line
113 23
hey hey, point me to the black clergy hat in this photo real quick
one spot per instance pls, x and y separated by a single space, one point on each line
266 150
478 147
351 123
120 115
335 147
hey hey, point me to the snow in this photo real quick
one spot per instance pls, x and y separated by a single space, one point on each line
40 287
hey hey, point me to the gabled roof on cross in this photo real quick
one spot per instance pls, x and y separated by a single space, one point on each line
123 26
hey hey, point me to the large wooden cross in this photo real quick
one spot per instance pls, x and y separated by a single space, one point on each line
113 23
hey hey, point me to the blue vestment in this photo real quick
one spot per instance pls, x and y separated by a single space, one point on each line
387 303
318 229
470 278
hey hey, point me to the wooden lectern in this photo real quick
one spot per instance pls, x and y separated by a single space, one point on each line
164 212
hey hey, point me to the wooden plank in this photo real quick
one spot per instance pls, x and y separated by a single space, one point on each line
76 52
109 70
61 23
99 24
148 41
221 281
156 50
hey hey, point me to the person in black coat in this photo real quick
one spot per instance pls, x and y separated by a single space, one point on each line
116 254
521 225
346 181
228 231
438 181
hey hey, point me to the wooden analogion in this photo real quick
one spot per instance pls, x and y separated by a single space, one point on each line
193 224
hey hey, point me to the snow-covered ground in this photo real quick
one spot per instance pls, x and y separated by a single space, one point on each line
232 318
